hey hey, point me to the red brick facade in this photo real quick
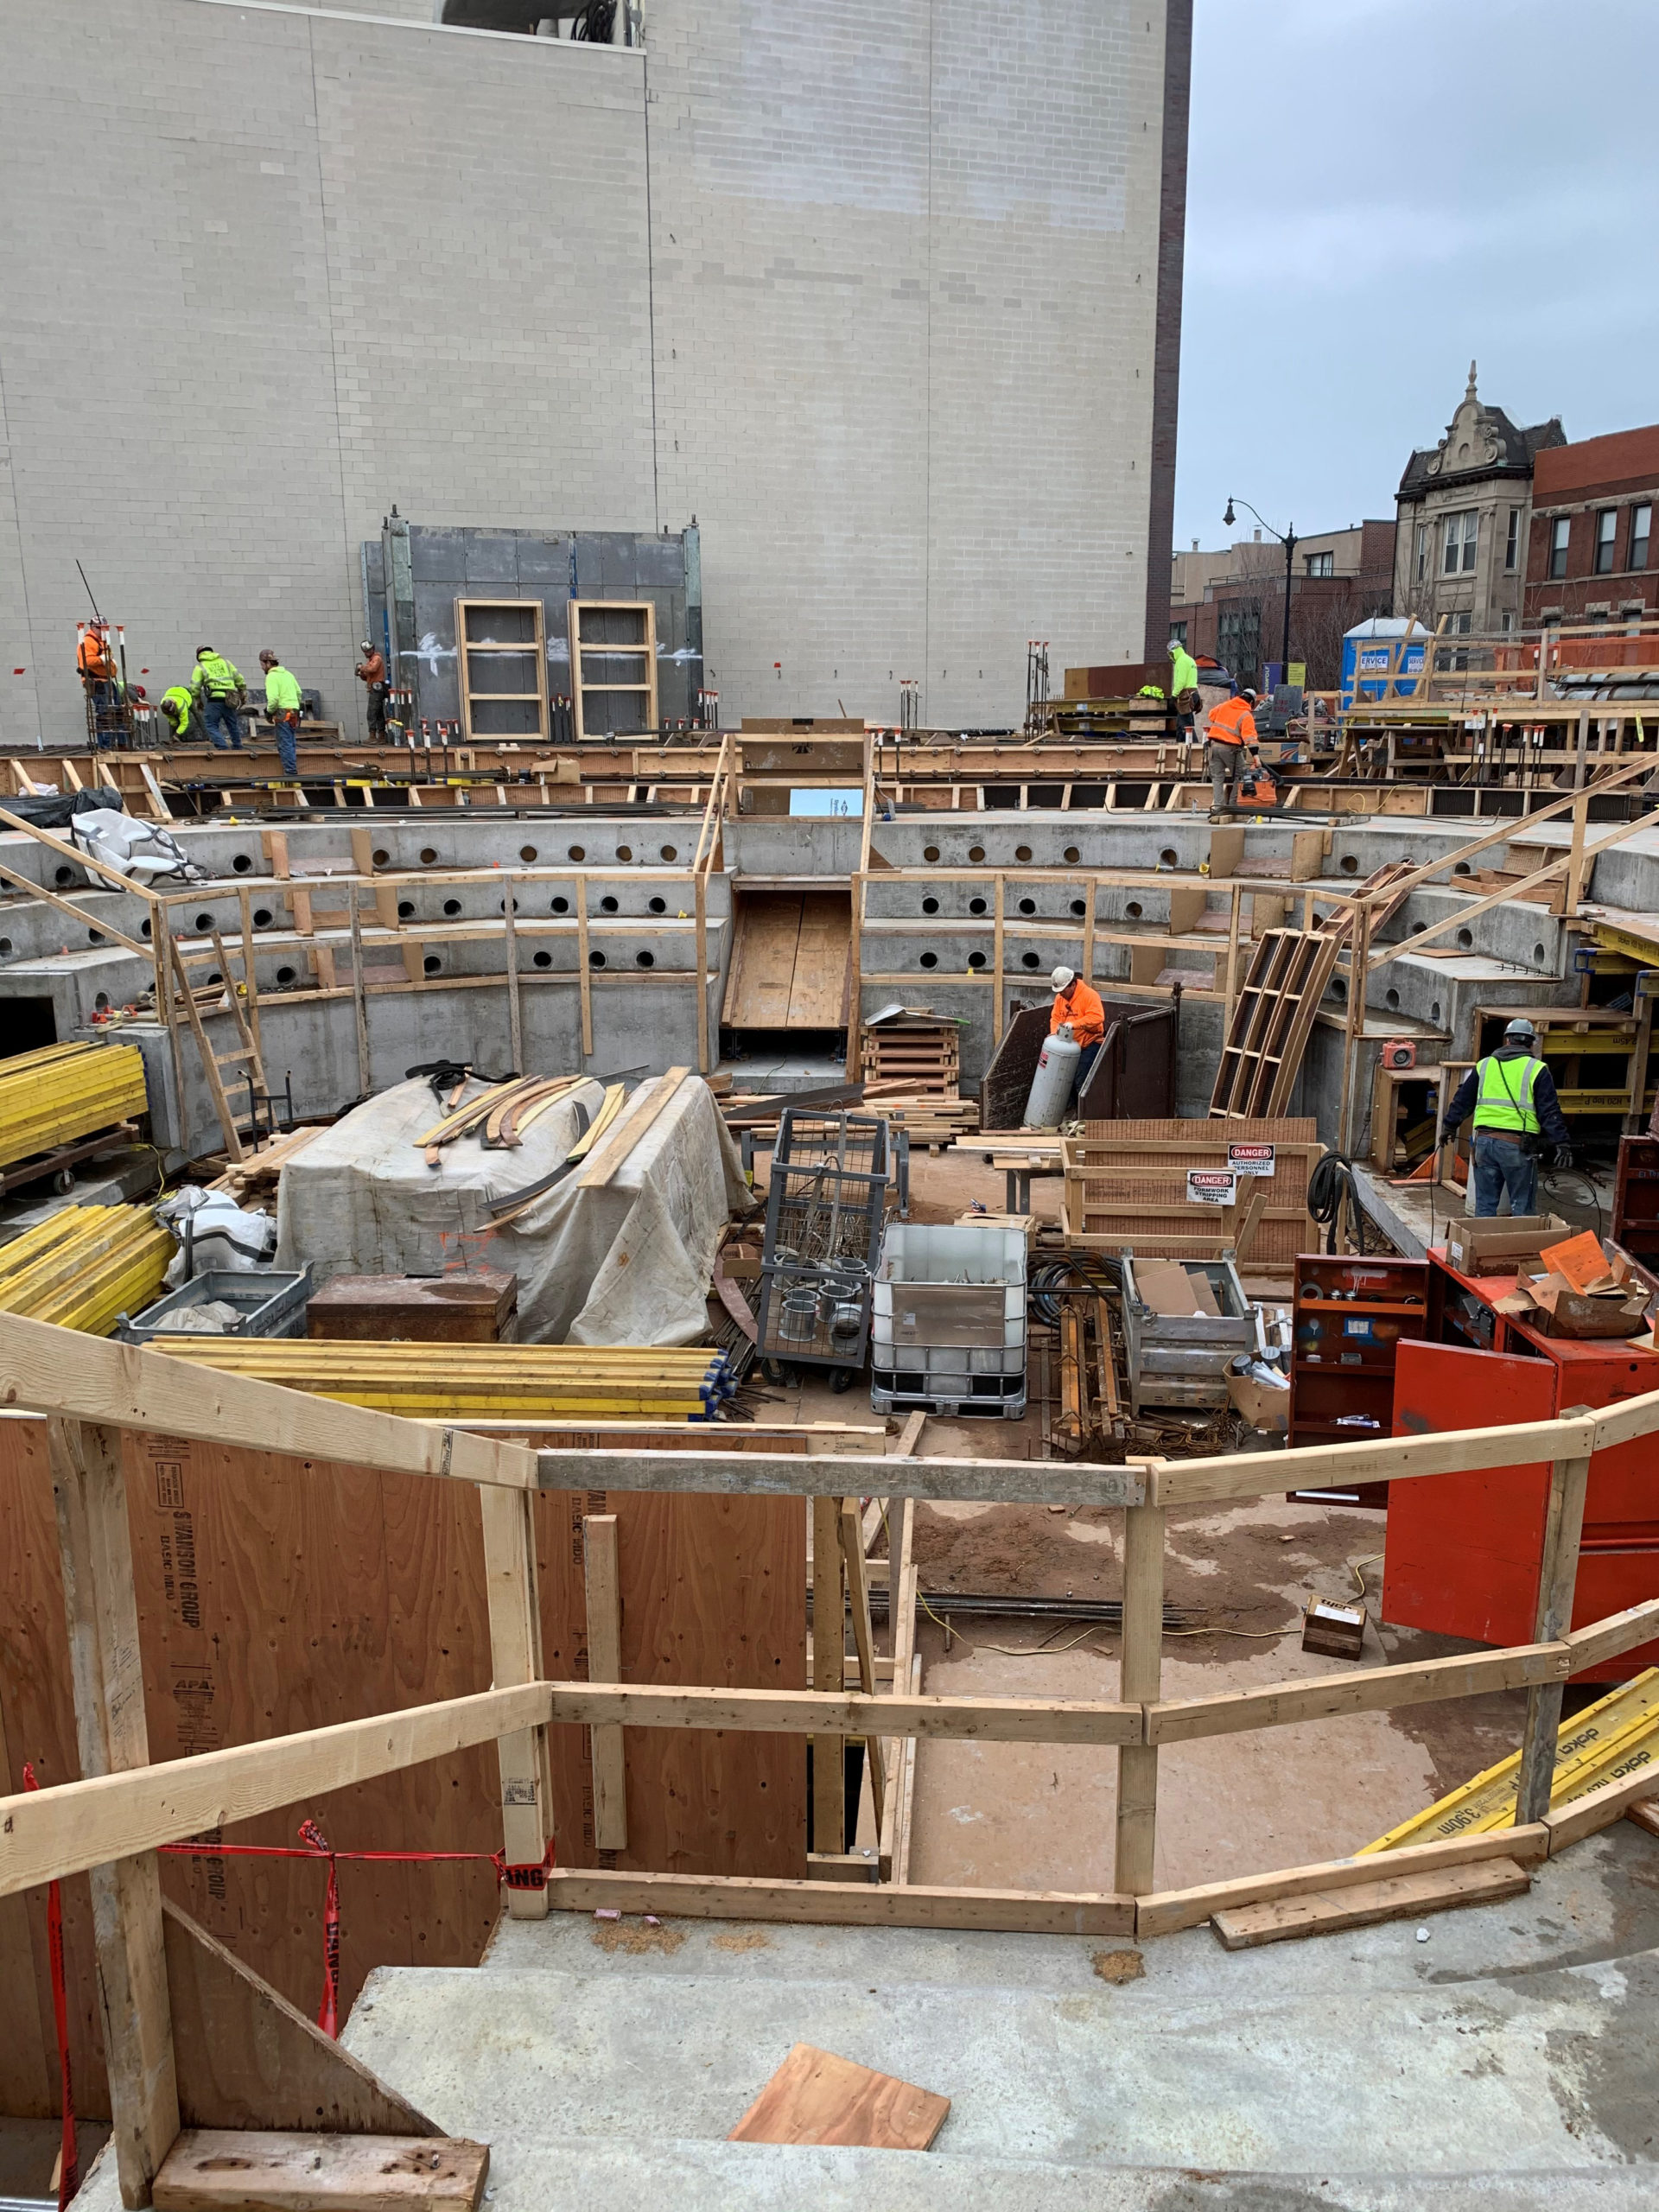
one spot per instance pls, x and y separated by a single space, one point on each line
1591 555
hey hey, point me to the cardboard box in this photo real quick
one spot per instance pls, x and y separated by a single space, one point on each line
1264 1405
1548 1302
1338 1631
1499 1245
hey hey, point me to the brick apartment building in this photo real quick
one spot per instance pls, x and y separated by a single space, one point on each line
1229 606
1590 557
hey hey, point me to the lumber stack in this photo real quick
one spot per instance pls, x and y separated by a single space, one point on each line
928 1119
86 1266
65 1091
542 1383
912 1054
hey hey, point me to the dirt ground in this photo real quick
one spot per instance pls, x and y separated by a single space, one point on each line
1004 1816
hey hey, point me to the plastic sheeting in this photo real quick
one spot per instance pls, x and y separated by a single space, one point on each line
629 1264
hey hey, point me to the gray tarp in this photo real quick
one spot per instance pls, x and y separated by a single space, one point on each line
626 1264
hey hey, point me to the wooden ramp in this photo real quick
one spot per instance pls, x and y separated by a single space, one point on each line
788 959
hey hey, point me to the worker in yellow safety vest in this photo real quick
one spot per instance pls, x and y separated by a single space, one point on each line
1512 1096
178 706
219 692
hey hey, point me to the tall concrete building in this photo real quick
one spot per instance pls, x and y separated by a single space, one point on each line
887 297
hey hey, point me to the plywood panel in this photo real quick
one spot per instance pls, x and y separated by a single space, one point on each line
819 981
766 930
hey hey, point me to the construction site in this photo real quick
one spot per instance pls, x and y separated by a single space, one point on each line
669 1531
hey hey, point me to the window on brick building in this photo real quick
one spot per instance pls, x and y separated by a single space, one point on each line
1462 535
1640 531
1512 542
1178 631
1606 540
1422 552
1560 531
1320 564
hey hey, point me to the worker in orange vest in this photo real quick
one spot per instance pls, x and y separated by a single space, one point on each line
1077 1006
1230 731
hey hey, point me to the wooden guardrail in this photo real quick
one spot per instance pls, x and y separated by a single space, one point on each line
110 1823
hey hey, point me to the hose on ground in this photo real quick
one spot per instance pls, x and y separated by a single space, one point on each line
1331 1181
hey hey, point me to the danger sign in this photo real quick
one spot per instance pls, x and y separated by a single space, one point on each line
1251 1159
1212 1187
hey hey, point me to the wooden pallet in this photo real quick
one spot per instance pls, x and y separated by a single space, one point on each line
1126 1186
918 1056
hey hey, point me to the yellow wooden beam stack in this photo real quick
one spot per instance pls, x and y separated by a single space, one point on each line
86 1266
65 1091
451 1382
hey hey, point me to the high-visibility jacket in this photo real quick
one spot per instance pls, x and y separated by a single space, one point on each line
282 691
1149 692
216 675
1184 673
175 704
94 659
1232 723
1503 1099
1082 1007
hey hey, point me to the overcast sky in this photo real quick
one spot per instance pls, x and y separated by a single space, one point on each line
1489 168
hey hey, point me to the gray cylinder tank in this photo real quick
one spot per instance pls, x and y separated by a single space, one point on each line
1051 1090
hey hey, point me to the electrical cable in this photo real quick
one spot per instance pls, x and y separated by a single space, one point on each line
1549 1177
1097 1274
1331 1181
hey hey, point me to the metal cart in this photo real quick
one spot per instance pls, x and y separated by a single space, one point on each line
825 1208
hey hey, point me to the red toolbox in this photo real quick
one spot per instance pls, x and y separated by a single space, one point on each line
1350 1315
1462 1551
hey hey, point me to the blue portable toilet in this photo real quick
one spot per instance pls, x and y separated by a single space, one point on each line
1370 647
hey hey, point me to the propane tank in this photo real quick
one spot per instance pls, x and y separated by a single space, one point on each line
1051 1090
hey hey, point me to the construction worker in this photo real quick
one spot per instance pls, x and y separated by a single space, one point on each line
1512 1096
1183 679
178 706
220 693
1230 731
371 672
94 659
1076 1006
284 706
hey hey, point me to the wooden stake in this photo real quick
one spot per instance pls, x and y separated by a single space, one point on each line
358 1004
584 975
997 967
1558 1573
700 891
515 1657
603 1586
1140 1681
515 1011
89 1489
852 1559
829 1673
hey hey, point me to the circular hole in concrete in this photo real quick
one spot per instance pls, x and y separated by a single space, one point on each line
644 960
1463 868
1349 864
930 905
102 1002
1030 960
1537 951
431 964
1169 856
658 905
625 852
215 977
1135 910
669 853
262 918
526 852
94 936
544 960
203 923
1339 990
976 960
976 906
452 908
561 906
930 852
930 960
1022 852
144 928
595 960
1077 907
405 910
975 853
381 856
429 854
1465 939
1072 855
284 975
1434 1010
578 852
1027 906
5 945
608 905
1391 1000
64 875
240 864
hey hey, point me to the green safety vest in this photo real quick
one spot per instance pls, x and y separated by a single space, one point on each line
1183 675
1504 1100
219 674
176 702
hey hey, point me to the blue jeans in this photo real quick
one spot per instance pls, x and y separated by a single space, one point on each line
1499 1165
219 714
287 743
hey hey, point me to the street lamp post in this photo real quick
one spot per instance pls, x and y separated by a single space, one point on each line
1287 539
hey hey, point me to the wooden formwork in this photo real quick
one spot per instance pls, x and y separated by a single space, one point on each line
1125 1188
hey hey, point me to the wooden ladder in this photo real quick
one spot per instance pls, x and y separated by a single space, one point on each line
246 1052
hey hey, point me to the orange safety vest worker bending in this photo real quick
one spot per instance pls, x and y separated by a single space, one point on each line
1079 1006
1232 727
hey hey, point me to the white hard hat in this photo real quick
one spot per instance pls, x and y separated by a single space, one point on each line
1063 977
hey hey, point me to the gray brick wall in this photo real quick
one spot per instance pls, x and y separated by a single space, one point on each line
878 307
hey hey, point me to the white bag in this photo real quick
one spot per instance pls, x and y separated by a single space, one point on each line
140 849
